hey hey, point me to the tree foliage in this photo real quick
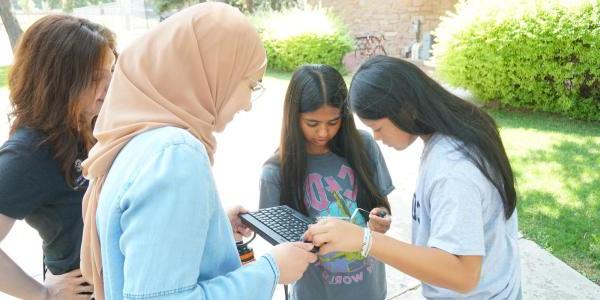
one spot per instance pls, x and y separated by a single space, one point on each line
163 6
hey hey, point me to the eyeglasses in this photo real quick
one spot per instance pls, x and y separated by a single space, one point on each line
257 90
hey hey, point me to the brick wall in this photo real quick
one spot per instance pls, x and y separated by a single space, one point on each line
392 18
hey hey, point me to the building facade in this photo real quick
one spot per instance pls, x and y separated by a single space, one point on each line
402 22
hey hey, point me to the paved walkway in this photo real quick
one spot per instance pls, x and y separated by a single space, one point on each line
251 138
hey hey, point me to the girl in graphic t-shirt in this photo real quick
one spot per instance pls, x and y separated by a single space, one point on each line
464 237
325 167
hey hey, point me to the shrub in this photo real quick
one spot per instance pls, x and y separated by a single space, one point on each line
296 37
540 55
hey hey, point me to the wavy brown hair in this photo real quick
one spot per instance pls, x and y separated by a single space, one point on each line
56 59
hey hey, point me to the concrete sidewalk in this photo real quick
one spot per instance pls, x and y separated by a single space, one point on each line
544 276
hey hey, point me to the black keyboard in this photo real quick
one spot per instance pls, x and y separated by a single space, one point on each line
278 224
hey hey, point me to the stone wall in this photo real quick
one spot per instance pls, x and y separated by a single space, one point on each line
395 19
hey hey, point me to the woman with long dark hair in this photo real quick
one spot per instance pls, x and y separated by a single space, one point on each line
325 167
464 237
61 71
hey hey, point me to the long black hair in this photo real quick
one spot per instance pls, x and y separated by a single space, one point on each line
311 87
387 87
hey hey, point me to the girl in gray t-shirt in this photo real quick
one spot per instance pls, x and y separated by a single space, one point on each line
326 168
464 237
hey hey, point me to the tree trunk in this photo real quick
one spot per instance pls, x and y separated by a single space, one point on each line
276 5
10 23
249 5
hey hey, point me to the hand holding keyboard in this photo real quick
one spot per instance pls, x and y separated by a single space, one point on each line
278 224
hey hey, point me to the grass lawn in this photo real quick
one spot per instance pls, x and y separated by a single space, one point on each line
3 75
557 166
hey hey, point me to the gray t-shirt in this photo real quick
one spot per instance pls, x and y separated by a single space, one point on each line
337 275
456 209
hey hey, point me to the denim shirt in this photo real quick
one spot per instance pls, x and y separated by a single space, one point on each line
163 231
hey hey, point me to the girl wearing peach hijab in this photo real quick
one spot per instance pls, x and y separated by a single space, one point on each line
154 225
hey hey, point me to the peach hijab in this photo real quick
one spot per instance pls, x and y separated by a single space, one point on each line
193 71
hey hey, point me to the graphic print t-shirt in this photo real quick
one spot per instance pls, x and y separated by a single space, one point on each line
330 190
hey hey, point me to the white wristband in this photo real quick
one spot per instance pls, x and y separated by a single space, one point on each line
370 243
366 243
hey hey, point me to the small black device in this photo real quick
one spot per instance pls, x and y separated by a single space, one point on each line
245 252
365 214
381 214
278 224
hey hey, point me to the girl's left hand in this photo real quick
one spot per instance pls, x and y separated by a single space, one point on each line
68 286
239 229
377 223
332 234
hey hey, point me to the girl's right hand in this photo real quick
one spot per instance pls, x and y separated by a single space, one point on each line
332 234
292 260
67 286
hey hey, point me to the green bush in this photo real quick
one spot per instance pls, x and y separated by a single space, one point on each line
539 55
291 41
